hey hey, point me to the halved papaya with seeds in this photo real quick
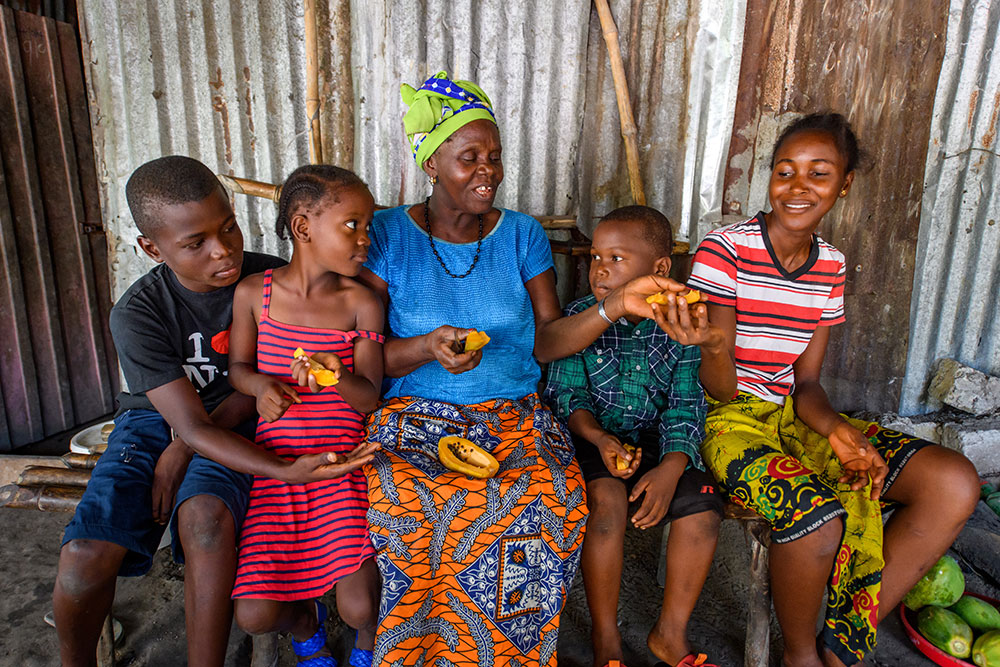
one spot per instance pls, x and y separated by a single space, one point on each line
475 340
464 456
691 296
324 376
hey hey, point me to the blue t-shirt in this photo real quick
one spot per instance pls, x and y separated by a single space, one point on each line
492 298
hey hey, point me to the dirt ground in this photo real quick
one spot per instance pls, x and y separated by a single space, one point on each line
151 607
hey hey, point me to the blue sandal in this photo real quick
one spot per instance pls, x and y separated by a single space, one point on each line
359 656
315 643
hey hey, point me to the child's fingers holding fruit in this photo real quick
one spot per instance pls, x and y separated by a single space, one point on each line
621 459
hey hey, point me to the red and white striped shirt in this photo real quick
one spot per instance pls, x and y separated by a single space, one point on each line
776 311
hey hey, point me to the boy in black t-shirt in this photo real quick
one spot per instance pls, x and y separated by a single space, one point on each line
171 330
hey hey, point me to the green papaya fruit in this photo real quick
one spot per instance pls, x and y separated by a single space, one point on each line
946 630
979 614
942 586
986 650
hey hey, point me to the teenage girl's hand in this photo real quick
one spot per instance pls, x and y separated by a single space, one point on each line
860 459
630 298
327 465
658 485
274 398
687 323
611 448
300 369
445 344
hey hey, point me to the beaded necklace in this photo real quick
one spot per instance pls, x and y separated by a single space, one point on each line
430 237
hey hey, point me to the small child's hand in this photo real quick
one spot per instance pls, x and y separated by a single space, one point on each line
686 323
274 399
658 485
611 449
300 369
860 459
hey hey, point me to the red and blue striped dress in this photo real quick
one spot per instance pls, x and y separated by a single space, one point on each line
298 540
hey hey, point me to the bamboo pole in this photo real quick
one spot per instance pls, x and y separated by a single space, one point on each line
45 498
246 186
624 102
312 84
39 475
84 461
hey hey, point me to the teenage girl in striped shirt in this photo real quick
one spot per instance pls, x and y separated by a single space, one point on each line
775 288
299 540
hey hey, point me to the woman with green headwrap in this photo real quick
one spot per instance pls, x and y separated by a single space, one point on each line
475 571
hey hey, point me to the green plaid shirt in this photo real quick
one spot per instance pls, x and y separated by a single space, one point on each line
634 378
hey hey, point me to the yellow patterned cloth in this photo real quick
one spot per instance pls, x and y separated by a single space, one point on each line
767 460
474 571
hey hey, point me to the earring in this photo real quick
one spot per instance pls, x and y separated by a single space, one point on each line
433 179
843 193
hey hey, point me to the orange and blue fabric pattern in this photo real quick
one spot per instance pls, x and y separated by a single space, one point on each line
474 571
767 460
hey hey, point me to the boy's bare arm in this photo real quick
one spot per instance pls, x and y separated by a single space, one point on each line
181 407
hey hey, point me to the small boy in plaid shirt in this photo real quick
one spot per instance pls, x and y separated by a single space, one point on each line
637 385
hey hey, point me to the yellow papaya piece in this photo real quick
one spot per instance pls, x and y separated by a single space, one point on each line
621 463
691 296
466 457
324 376
475 340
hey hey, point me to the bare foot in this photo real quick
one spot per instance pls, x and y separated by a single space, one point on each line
607 646
667 644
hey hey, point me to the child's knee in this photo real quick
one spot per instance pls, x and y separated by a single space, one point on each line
702 526
205 525
255 617
86 566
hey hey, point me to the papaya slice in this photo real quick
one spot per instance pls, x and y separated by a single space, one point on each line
466 457
475 340
621 463
691 296
324 376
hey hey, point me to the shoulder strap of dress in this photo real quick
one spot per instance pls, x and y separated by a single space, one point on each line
371 335
266 300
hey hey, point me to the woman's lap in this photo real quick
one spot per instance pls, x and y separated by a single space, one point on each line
473 568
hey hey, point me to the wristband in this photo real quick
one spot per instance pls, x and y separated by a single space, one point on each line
602 313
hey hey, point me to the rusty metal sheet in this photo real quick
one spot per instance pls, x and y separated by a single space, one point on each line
954 309
22 417
878 64
34 255
76 104
72 274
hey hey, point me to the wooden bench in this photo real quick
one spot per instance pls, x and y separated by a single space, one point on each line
758 629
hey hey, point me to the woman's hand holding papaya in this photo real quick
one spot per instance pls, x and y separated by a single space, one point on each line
445 345
611 450
860 459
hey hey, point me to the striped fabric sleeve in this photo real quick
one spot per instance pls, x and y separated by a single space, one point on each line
833 312
713 270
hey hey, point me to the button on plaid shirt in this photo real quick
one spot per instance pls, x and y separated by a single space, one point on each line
634 378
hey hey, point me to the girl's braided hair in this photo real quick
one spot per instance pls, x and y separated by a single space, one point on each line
839 130
308 187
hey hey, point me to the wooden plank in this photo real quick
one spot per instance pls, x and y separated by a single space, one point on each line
47 355
12 465
877 64
72 273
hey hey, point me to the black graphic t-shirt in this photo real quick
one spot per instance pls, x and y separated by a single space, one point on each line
164 331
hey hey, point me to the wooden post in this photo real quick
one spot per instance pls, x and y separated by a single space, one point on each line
758 634
312 84
106 644
624 101
45 498
39 475
85 461
246 186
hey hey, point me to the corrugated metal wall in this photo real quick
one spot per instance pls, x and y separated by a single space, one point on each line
56 364
954 312
224 82
877 63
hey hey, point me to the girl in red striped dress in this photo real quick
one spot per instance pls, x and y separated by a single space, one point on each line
299 540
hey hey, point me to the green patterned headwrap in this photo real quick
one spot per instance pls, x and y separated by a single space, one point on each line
438 109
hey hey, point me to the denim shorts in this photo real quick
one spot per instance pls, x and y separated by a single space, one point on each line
117 506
